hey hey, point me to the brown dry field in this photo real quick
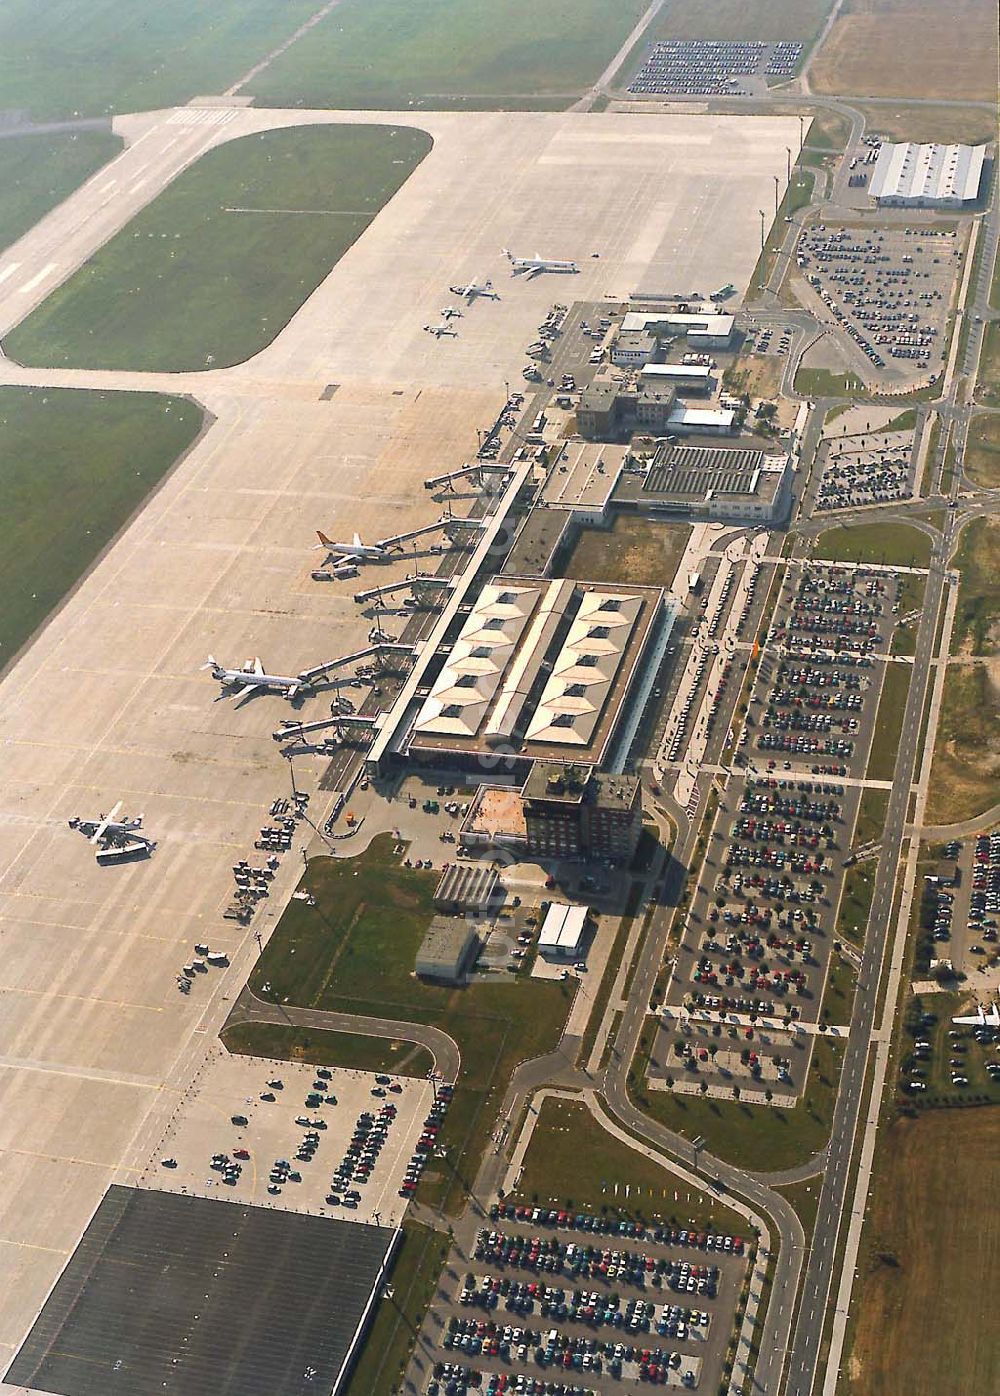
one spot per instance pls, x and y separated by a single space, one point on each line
931 1254
982 451
634 550
965 772
930 123
911 48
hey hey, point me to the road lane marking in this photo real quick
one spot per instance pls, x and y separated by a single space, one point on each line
45 271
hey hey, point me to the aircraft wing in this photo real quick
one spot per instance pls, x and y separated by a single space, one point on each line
243 693
103 823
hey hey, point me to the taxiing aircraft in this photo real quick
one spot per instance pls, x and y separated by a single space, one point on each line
536 264
445 328
252 679
473 289
451 312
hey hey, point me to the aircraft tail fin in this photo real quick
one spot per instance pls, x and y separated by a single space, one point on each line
357 540
327 542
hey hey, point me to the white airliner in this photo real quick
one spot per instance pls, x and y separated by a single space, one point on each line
108 831
343 551
982 1018
473 289
252 679
536 264
445 328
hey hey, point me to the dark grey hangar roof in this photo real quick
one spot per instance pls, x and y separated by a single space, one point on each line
195 1297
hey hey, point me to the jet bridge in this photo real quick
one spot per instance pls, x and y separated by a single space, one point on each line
413 583
296 731
321 670
481 467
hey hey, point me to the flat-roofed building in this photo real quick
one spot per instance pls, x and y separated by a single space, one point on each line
463 889
574 811
684 378
737 483
702 421
448 950
563 931
702 329
633 348
908 175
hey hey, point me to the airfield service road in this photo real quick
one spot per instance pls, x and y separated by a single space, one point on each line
99 1046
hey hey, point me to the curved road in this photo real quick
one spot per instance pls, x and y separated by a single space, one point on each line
248 1008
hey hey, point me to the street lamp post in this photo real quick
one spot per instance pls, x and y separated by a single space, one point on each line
788 153
777 182
761 212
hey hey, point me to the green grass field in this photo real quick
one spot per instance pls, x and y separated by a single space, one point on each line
355 951
65 59
39 171
322 1048
208 274
573 1163
821 382
735 19
394 54
757 1137
856 902
74 466
890 544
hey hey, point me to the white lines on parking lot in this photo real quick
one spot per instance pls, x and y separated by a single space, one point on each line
39 277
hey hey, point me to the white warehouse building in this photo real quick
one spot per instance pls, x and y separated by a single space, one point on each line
927 176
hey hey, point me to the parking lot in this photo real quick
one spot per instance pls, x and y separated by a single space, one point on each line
870 466
553 1301
714 67
293 1136
748 981
889 289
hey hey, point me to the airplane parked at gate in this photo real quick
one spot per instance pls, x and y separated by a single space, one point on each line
473 289
252 679
536 264
343 552
109 833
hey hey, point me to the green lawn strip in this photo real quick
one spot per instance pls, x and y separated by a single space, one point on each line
822 382
418 1262
905 421
397 54
909 599
891 545
354 952
838 995
804 1199
574 1164
856 901
798 194
74 466
981 461
63 59
930 456
38 171
988 383
604 991
978 561
889 722
218 263
871 815
757 1137
324 1048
